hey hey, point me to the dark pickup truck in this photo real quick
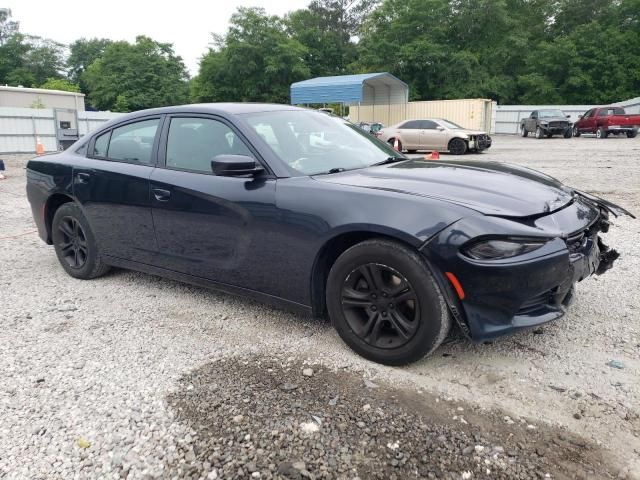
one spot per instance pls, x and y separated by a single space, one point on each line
546 123
607 120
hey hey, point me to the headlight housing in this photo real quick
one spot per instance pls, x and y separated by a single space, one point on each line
496 249
544 123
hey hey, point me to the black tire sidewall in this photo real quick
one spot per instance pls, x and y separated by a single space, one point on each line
433 311
91 264
454 141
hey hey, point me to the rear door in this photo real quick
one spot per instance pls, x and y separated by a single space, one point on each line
206 225
112 184
410 132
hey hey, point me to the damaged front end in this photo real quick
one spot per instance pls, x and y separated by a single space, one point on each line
503 295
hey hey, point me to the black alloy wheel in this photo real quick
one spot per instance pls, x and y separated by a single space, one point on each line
380 306
457 146
385 303
73 244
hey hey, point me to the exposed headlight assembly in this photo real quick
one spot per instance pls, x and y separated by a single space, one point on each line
496 249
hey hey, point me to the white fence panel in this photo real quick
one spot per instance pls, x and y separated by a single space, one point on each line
508 117
20 127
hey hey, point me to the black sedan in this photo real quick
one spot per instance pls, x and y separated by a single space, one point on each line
307 211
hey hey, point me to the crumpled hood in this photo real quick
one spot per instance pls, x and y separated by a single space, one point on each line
488 187
469 132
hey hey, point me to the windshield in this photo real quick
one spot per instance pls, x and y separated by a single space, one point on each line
550 113
448 124
310 143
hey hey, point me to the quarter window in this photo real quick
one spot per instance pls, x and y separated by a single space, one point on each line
193 142
101 145
133 142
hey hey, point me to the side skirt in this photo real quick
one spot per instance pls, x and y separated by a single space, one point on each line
210 284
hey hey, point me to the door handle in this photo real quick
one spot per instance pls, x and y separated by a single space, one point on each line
83 177
161 194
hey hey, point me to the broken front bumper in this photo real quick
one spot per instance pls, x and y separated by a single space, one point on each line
503 296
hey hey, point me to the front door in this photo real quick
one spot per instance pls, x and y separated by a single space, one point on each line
112 185
588 122
432 138
207 225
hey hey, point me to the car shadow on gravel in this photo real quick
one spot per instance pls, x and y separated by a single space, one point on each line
259 417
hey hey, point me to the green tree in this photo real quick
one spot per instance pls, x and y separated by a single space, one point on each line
327 28
255 61
82 53
60 84
146 73
8 27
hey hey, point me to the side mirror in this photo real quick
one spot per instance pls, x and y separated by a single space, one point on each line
568 116
579 116
440 128
234 165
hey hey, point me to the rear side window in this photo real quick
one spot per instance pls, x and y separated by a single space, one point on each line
193 142
411 125
101 145
133 142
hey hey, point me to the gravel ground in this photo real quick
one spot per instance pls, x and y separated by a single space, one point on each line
134 376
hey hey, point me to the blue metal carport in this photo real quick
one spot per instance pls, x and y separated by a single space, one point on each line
363 89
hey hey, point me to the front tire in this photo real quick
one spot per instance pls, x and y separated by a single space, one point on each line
576 132
539 133
385 303
601 133
457 146
568 133
75 244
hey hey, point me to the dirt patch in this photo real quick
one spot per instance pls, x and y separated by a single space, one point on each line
266 416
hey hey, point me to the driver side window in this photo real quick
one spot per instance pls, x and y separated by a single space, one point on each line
534 115
193 142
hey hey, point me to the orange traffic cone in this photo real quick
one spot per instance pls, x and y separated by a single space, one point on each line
39 147
433 156
396 144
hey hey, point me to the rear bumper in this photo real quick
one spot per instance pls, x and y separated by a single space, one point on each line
504 296
622 128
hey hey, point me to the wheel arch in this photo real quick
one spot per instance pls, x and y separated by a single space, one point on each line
53 203
332 248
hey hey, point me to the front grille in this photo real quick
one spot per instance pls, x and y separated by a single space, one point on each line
558 124
537 302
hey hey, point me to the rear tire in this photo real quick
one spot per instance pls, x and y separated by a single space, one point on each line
523 131
457 146
632 134
385 303
601 133
75 244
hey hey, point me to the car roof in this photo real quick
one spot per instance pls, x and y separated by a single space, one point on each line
219 108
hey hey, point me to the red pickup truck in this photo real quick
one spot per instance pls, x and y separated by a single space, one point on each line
605 120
